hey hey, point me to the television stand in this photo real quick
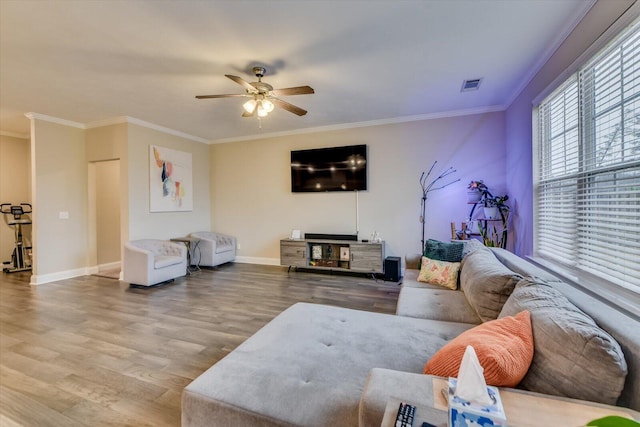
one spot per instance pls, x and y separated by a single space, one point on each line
333 255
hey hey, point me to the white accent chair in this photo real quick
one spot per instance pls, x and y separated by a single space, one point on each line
150 261
213 249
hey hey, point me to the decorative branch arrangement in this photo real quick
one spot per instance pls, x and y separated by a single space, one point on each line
429 187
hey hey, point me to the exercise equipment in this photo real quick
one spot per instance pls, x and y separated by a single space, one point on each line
21 255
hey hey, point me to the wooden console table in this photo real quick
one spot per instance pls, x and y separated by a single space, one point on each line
335 255
522 408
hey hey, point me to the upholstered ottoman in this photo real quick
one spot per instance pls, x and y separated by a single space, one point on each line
308 366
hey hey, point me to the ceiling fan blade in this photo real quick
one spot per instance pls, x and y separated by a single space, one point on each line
299 90
221 96
246 114
241 82
289 107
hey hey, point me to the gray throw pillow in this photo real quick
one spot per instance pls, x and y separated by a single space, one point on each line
572 357
486 283
442 251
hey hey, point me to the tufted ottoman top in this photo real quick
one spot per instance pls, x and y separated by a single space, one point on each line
308 367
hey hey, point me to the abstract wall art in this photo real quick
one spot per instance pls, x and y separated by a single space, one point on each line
170 180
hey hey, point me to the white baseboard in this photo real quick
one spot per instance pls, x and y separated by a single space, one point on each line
59 275
95 269
257 260
68 274
110 266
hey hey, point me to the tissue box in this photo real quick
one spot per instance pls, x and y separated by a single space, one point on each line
463 413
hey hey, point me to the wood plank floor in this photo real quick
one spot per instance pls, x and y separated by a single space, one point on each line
91 351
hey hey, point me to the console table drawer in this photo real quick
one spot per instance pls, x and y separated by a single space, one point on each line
367 257
293 253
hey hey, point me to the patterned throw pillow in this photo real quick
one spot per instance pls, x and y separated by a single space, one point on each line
504 348
442 251
440 273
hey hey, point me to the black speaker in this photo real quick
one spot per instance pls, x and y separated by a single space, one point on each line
392 268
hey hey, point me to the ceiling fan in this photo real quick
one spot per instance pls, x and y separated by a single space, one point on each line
263 96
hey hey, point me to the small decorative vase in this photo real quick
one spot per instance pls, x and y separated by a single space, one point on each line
473 196
491 212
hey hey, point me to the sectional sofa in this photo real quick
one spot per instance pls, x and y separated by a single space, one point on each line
317 365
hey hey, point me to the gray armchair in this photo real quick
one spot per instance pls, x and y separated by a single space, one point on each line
213 249
149 261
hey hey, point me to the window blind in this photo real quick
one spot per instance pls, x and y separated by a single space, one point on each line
588 167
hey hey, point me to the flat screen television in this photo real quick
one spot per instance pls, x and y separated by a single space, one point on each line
329 169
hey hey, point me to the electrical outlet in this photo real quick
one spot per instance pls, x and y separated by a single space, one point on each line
64 215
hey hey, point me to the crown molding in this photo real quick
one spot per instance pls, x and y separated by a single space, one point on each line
153 126
548 53
57 120
107 122
380 122
114 121
628 17
134 121
15 135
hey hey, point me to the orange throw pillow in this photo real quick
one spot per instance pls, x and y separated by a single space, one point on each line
504 348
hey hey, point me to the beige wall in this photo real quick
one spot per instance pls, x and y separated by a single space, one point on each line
15 185
142 223
251 196
71 166
106 144
107 203
59 185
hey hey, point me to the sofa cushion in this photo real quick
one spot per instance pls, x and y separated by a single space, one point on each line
162 261
441 273
410 279
504 348
443 251
436 304
486 282
471 245
573 357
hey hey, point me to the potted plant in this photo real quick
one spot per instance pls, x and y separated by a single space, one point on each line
494 206
492 234
476 191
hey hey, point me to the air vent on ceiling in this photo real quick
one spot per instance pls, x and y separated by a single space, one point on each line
469 85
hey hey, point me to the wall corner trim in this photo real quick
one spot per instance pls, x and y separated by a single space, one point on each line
57 120
15 134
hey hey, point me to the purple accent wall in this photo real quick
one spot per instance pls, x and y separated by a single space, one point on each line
518 118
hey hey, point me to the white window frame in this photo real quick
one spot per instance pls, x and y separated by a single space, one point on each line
594 283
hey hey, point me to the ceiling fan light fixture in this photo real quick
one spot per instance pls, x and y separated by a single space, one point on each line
267 105
262 112
249 106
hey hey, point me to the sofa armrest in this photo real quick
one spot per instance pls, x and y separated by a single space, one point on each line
137 263
383 384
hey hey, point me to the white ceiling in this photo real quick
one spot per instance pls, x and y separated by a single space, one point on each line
88 61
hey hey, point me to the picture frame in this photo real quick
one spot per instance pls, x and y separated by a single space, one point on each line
316 252
170 180
295 235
